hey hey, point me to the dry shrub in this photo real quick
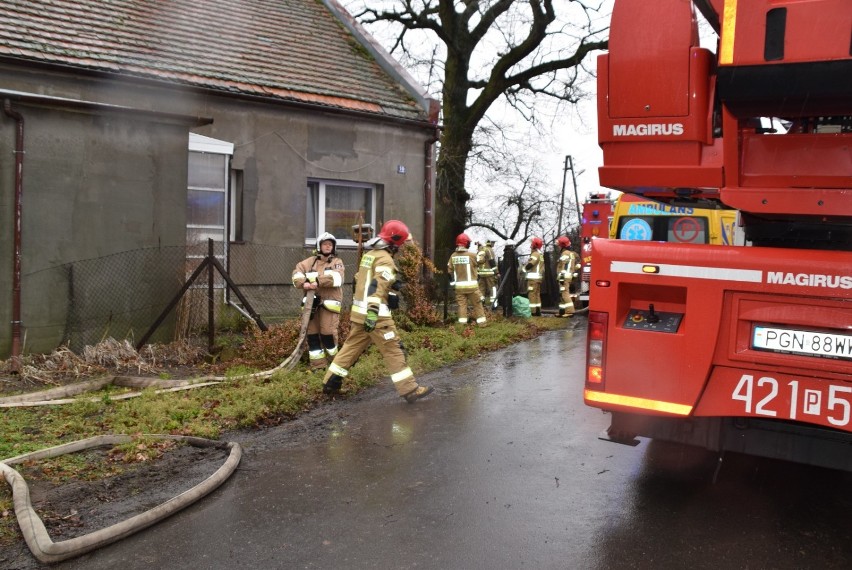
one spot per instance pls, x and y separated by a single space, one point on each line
265 349
109 355
417 272
184 352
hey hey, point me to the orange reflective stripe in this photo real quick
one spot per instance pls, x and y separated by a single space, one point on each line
633 402
729 27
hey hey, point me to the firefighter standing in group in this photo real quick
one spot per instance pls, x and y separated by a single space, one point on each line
486 269
462 270
371 321
322 273
535 272
565 274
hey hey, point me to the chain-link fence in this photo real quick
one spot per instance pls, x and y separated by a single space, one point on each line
117 296
121 295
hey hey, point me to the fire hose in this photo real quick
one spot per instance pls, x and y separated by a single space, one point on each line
35 534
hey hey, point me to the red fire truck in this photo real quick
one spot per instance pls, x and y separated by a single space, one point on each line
595 223
743 349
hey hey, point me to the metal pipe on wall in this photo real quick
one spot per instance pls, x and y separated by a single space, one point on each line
427 199
428 206
16 262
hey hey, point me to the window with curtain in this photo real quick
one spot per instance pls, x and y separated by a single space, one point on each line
335 207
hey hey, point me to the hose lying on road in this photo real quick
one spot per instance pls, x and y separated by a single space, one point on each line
35 533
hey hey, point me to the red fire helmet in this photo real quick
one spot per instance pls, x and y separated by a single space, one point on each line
394 232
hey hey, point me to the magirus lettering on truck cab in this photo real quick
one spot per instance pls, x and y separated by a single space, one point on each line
810 280
647 130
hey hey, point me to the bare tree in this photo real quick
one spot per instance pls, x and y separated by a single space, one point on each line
517 204
511 50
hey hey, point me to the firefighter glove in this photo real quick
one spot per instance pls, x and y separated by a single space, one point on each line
370 321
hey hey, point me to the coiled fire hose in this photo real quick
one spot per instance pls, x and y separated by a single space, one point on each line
35 533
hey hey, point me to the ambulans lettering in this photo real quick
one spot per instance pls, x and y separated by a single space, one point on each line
809 280
648 130
656 209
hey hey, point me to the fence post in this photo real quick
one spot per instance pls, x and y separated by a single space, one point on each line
510 261
211 324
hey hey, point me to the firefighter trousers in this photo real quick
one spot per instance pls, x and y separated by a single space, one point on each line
566 300
487 288
386 339
534 294
469 298
322 337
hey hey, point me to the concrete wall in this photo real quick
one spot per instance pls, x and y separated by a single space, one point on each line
93 186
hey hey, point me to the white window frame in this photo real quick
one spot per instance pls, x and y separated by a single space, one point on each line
202 144
310 241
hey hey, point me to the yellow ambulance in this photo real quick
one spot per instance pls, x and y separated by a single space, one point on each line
638 218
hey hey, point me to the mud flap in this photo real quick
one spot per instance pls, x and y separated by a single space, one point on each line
618 437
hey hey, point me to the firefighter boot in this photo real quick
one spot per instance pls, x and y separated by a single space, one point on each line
419 392
316 354
332 385
561 312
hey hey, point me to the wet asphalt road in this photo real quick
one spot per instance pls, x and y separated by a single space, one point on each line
500 468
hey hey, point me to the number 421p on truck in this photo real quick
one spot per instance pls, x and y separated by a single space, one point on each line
745 349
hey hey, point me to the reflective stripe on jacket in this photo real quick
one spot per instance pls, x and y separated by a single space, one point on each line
462 270
485 261
326 272
535 266
565 265
376 274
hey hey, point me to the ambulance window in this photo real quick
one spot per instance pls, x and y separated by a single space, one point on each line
636 228
687 229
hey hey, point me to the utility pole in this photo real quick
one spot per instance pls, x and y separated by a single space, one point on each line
562 195
576 197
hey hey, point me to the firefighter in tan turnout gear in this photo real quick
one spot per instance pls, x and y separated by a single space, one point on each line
535 273
371 318
462 270
322 273
486 269
566 267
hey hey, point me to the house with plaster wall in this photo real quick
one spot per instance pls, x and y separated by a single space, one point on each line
143 125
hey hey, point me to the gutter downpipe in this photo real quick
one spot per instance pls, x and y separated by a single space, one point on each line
428 207
16 272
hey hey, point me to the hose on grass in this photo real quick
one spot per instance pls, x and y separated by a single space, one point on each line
35 534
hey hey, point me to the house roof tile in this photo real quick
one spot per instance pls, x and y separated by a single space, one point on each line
292 50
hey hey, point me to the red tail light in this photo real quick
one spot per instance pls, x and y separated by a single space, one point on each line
596 349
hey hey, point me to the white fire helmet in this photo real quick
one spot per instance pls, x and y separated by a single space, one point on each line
325 236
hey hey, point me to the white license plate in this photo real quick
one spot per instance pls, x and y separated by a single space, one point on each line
808 343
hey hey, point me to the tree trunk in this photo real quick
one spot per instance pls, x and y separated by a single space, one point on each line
451 205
